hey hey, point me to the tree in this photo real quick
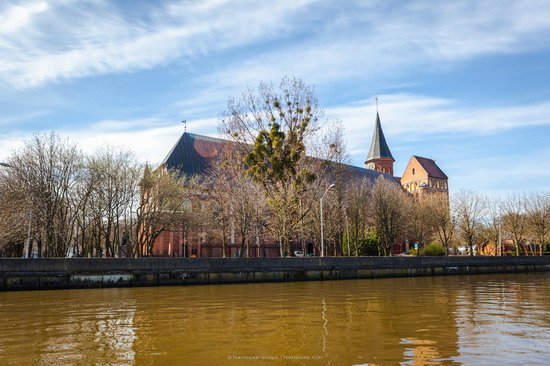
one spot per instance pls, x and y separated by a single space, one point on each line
114 177
271 128
358 204
49 169
493 227
334 144
238 200
14 211
389 213
165 202
538 219
441 218
515 219
219 191
469 208
420 223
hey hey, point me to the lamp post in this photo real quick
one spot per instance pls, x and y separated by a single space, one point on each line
322 234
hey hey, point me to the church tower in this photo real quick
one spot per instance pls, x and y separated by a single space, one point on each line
380 157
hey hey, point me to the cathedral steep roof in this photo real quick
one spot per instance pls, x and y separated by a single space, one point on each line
194 154
431 168
379 147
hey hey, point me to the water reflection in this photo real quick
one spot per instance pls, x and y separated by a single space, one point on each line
409 321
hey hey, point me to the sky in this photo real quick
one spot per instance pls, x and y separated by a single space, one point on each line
466 83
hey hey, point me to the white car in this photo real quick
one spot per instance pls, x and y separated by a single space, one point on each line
298 253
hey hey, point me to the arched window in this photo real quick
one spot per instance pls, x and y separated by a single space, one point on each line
187 205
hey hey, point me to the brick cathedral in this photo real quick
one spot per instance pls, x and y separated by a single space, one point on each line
193 155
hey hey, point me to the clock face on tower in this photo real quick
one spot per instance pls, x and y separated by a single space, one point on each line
371 166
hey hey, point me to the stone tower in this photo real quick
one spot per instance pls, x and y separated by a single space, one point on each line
380 157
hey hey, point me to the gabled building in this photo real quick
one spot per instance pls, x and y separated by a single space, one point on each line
194 154
422 175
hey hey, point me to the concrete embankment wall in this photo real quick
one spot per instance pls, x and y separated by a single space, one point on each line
28 274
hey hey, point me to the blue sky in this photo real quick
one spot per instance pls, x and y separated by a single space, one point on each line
466 83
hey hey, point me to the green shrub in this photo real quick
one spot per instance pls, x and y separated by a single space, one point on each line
433 250
412 251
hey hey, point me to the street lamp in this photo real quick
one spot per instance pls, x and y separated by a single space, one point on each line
29 230
322 237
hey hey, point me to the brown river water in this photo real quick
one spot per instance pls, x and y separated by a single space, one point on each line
481 320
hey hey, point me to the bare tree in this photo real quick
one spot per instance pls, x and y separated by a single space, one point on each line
336 153
358 205
441 218
271 127
166 200
538 219
420 222
515 219
14 211
239 196
389 212
469 208
219 190
49 168
493 227
115 176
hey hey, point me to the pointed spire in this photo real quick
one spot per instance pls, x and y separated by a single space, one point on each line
378 147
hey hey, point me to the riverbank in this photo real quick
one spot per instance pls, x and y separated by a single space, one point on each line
64 273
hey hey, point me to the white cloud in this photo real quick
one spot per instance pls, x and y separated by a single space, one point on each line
150 143
150 139
416 116
524 172
75 40
405 117
320 41
16 17
385 41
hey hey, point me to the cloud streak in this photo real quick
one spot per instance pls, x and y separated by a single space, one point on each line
65 40
420 116
71 41
409 119
381 40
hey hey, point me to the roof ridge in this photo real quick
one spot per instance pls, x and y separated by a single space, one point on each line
173 148
422 157
431 167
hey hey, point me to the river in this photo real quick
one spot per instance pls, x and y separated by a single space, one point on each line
484 319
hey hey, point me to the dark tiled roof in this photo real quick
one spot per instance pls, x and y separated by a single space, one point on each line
431 168
370 174
193 155
378 147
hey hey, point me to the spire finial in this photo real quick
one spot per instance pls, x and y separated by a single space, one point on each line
184 125
376 100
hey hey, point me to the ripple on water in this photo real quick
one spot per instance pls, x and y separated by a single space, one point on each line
491 319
